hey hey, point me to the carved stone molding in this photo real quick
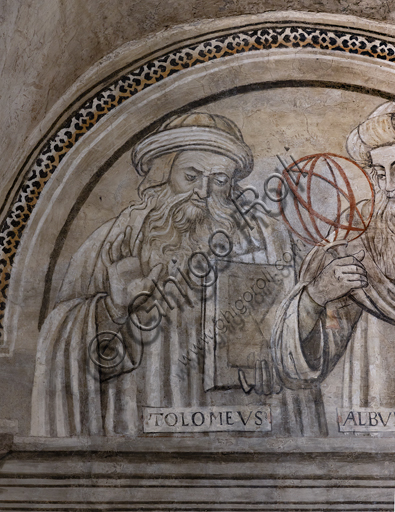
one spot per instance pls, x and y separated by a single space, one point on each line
184 474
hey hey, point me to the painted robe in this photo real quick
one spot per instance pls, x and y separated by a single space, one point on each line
358 328
74 397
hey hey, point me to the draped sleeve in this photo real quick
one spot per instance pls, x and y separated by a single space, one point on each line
70 394
301 363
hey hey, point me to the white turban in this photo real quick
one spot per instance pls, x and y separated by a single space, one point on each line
378 130
196 131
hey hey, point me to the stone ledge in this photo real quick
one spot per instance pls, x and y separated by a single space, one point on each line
70 481
6 441
208 444
225 473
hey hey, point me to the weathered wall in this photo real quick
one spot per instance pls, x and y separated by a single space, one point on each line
319 96
45 45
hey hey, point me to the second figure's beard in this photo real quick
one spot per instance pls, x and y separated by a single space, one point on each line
381 234
177 227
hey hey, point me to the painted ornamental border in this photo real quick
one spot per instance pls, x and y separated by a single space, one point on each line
267 36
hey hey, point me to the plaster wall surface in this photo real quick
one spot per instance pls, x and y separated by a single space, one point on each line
46 45
292 101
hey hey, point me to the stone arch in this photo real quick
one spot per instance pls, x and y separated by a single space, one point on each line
282 49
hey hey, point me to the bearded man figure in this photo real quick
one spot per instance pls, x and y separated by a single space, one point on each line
191 167
344 307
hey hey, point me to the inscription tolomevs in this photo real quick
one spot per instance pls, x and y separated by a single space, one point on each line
207 419
155 261
218 296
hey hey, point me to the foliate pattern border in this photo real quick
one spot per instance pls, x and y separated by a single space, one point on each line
137 80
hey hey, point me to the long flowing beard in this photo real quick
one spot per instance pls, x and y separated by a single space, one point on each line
381 234
176 227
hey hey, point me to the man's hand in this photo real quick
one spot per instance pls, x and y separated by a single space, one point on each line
124 273
338 278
